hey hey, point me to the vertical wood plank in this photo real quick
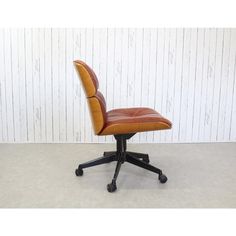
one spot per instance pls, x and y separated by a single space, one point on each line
204 94
2 136
169 100
29 84
55 85
230 85
22 85
224 85
210 86
15 83
217 83
124 68
36 85
117 68
48 81
185 84
178 83
42 86
3 104
131 64
232 133
191 83
69 80
62 84
9 85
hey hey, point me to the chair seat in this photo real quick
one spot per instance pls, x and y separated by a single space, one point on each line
133 120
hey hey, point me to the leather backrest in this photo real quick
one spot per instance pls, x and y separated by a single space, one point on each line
96 101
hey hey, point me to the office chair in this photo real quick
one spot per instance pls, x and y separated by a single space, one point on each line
122 123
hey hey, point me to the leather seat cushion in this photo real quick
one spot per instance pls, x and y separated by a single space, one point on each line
133 120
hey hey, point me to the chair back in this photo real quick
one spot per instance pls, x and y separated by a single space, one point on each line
95 99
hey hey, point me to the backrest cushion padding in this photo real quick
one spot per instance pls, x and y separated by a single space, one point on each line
95 99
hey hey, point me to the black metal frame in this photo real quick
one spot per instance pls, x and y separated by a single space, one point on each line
121 156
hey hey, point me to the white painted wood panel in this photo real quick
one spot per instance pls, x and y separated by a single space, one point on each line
188 75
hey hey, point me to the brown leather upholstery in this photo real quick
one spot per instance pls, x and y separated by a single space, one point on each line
117 121
87 77
97 107
96 101
132 120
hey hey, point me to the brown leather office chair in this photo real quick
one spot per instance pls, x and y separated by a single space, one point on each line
122 123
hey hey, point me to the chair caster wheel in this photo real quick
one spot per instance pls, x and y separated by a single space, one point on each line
111 187
146 160
162 178
79 172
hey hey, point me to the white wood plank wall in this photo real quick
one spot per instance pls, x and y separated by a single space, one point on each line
188 75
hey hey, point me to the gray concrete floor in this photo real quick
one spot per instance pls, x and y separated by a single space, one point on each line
42 176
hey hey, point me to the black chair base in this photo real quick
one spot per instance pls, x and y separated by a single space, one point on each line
121 156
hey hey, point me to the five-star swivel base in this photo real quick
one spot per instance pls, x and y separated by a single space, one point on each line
121 156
